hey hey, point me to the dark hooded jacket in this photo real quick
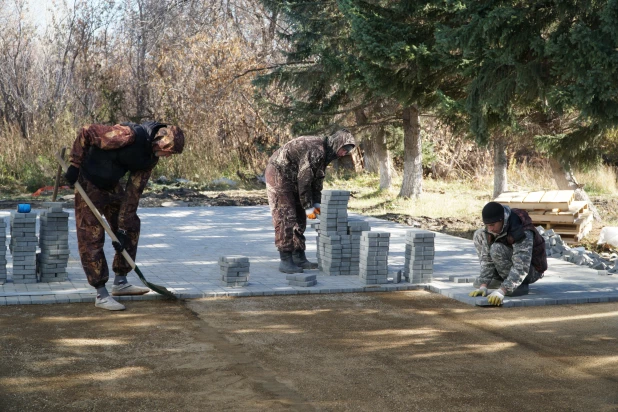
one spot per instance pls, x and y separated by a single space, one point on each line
105 154
303 161
516 223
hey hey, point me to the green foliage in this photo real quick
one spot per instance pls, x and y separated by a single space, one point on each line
539 68
37 174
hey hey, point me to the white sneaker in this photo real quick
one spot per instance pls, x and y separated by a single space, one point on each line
128 289
108 303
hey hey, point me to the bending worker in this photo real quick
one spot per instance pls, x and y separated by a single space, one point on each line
100 157
511 252
294 178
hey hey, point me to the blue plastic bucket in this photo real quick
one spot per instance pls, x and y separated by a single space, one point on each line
23 208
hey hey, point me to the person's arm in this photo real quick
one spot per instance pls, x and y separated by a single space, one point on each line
133 192
316 187
101 136
488 267
522 257
308 173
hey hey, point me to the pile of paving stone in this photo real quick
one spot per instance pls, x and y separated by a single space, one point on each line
234 270
23 247
338 240
556 248
373 266
419 256
301 280
2 251
54 243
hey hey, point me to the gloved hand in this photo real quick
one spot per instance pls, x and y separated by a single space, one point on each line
482 291
72 174
310 213
317 208
123 240
496 297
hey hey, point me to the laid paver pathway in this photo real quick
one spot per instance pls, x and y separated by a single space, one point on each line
180 247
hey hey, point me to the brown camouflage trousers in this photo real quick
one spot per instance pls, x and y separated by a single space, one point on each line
289 218
91 235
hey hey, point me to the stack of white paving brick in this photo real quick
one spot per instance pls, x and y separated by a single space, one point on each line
334 245
234 270
23 247
419 256
54 243
373 266
301 280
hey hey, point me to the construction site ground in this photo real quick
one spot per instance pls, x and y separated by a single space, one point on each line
398 351
316 349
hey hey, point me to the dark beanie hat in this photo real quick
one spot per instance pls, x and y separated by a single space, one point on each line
493 212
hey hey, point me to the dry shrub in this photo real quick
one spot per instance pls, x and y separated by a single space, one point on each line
600 180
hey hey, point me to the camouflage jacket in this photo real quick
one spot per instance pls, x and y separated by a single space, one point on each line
303 161
523 238
109 138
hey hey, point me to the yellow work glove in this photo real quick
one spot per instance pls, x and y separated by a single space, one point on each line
496 298
310 213
482 291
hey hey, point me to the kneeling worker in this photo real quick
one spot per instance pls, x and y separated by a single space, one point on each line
100 157
511 252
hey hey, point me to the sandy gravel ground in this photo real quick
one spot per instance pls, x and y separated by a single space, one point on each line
403 351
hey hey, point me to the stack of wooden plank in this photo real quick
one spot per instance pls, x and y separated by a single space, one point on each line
553 209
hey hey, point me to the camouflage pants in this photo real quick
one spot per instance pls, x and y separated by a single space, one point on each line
91 235
502 258
289 218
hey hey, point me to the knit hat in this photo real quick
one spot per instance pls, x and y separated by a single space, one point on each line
493 212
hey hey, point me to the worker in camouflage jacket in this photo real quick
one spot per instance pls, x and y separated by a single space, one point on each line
511 252
100 157
294 178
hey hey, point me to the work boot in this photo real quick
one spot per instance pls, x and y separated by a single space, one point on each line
287 264
128 289
108 303
300 259
521 290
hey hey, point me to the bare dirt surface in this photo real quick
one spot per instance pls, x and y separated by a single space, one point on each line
403 351
450 226
158 197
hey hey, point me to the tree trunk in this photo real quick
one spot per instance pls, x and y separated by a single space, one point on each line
370 156
384 159
500 163
412 185
563 175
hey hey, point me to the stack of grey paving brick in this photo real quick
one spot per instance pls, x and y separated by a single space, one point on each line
23 247
2 251
234 270
54 243
334 251
373 266
556 248
419 256
301 279
355 231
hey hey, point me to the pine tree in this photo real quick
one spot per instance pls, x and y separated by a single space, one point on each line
363 52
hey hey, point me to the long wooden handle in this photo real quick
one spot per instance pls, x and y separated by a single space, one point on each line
57 182
92 207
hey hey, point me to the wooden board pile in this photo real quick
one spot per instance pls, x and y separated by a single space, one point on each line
553 209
